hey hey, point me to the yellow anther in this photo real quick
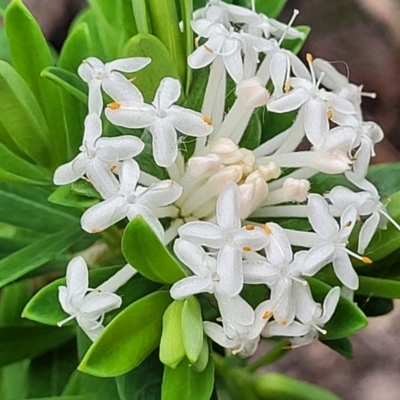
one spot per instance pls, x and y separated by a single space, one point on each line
133 79
86 179
347 224
196 42
246 248
267 314
234 352
114 105
209 49
207 120
287 347
329 114
249 227
97 230
267 229
284 323
112 169
309 57
366 260
287 87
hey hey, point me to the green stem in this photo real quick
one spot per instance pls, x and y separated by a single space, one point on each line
271 356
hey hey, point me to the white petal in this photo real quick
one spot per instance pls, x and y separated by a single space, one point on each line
93 129
367 232
330 303
192 285
167 93
363 157
320 218
77 278
125 146
148 215
344 270
303 301
275 329
72 171
316 258
201 57
341 197
105 214
347 221
298 68
189 122
129 176
131 115
194 257
339 138
278 249
289 102
256 272
89 68
230 270
278 70
130 64
315 121
254 238
233 62
227 212
203 233
217 334
283 303
332 79
102 178
95 304
95 97
64 300
121 89
165 145
161 194
92 329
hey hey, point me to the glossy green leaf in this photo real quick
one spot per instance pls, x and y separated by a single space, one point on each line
185 383
65 196
271 8
162 64
37 254
373 306
5 54
67 81
45 308
13 381
13 300
280 387
172 351
16 341
186 8
144 251
129 339
342 346
386 288
142 383
295 45
30 133
202 361
18 202
30 55
141 16
86 189
346 320
192 328
252 135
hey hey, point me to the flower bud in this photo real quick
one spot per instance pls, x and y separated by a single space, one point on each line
270 171
295 189
248 157
233 173
247 191
252 93
204 166
227 150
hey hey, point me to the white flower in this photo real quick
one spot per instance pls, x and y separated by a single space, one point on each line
334 240
162 119
87 308
314 317
227 236
129 200
106 76
207 279
367 203
97 156
282 274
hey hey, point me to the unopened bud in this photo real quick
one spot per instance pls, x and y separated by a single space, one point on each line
233 173
248 157
247 191
270 171
204 166
252 93
296 189
227 150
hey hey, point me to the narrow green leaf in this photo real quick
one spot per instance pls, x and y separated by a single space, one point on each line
67 398
5 53
68 81
172 351
141 17
280 387
65 196
13 300
187 16
271 8
13 381
252 135
30 55
342 346
162 65
373 306
346 320
192 328
144 251
16 341
86 189
129 339
30 133
202 360
185 383
386 288
37 254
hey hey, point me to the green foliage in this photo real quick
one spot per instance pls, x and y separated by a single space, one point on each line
342 346
270 8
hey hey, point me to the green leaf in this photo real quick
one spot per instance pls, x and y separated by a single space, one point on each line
192 328
165 26
13 381
65 196
37 254
252 135
280 387
30 55
129 339
141 16
271 8
342 346
65 398
143 249
67 81
86 189
5 54
187 16
162 65
16 341
202 361
185 383
346 320
30 133
374 306
172 351
45 308
385 288
13 300
142 383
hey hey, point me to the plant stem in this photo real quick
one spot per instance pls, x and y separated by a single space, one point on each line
271 356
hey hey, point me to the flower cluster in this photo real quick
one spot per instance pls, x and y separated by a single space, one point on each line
213 199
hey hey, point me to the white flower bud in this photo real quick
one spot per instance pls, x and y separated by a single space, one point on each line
253 176
248 157
227 150
233 173
247 191
270 171
295 189
204 166
252 93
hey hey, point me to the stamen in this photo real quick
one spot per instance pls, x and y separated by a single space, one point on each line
234 352
133 79
371 95
86 179
347 224
249 227
329 114
319 329
196 42
366 260
246 248
114 105
209 49
97 230
207 120
289 25
309 58
267 314
284 323
289 347
267 229
287 87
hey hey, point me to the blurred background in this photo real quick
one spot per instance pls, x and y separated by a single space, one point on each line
362 38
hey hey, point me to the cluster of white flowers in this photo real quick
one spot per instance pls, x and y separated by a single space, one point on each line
223 186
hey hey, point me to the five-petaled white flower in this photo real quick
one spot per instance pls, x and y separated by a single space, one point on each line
163 119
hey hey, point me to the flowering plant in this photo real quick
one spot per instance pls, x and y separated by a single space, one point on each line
159 161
